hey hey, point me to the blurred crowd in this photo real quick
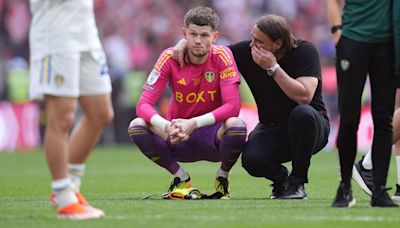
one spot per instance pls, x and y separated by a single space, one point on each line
134 32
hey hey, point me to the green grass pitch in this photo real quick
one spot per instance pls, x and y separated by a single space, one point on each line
118 177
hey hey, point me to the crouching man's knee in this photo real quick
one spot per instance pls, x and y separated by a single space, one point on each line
252 165
137 128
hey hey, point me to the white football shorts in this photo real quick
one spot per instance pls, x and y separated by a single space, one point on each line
69 75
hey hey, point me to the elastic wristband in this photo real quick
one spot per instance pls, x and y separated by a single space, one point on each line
159 122
205 120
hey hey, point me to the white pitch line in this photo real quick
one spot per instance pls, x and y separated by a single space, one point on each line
348 218
162 217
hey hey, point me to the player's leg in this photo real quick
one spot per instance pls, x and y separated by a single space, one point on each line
57 81
154 144
232 137
97 113
94 89
60 113
396 144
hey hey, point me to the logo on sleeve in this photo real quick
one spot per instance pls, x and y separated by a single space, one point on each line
210 76
227 73
153 77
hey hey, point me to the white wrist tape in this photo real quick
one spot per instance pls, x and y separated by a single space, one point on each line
205 120
159 122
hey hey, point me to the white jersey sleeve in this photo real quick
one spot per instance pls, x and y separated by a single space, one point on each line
60 26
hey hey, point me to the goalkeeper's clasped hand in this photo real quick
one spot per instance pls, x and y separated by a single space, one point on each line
180 130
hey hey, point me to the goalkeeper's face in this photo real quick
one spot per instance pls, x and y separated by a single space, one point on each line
199 39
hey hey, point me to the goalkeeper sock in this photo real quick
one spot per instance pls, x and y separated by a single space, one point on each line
75 172
182 174
222 173
231 146
153 147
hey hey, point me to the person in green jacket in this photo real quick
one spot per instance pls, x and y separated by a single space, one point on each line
363 36
362 171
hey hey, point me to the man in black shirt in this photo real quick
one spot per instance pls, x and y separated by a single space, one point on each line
284 76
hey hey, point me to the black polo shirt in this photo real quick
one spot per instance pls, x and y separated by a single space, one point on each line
272 103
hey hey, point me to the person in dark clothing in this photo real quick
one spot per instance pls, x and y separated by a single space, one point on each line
364 43
284 76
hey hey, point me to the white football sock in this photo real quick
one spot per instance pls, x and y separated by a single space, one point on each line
64 192
182 174
398 168
222 173
75 172
367 161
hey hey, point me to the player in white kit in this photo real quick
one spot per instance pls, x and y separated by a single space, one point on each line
68 66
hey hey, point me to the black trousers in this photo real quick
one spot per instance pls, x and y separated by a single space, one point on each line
354 61
269 145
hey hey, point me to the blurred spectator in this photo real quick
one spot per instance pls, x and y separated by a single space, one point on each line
16 23
134 32
17 80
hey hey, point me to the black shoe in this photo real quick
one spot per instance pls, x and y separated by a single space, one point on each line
278 188
344 196
221 185
178 184
280 184
396 195
363 177
294 191
380 198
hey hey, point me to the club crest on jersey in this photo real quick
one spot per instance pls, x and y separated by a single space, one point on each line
59 80
210 76
153 77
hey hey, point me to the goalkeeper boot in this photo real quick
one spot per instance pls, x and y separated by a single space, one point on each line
177 183
221 185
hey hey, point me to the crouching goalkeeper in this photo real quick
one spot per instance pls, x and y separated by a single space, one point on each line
202 122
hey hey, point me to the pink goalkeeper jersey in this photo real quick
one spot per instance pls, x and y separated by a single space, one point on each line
196 89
